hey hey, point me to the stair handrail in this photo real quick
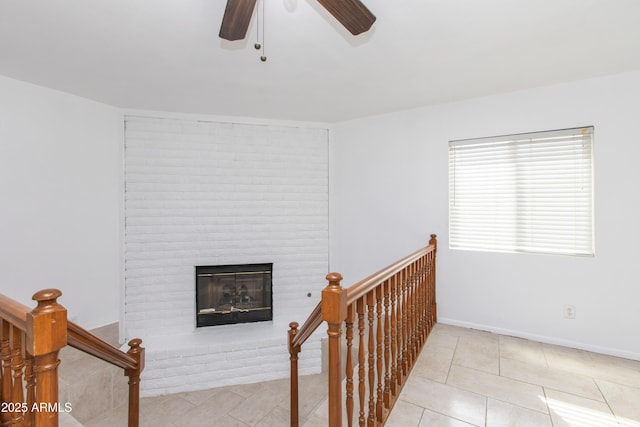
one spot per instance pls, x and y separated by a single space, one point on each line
354 292
83 340
336 300
132 362
308 327
361 288
14 312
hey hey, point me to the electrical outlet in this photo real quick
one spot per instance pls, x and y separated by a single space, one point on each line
569 312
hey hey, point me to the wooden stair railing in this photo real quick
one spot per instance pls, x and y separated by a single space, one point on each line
29 347
132 362
395 309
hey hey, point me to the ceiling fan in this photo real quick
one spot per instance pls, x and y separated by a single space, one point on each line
352 14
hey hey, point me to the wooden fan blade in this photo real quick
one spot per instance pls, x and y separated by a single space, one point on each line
352 14
236 19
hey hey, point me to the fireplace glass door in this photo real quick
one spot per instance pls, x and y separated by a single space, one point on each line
229 294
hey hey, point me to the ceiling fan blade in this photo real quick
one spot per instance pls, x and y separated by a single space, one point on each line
352 14
236 19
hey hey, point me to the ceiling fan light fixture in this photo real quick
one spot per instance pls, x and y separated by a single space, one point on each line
352 14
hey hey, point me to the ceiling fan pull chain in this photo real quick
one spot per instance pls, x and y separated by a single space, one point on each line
263 58
257 45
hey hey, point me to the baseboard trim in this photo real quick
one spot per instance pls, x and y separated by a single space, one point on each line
542 338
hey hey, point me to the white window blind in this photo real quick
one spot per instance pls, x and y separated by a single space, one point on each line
523 193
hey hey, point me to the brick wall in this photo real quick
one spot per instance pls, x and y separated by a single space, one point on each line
212 193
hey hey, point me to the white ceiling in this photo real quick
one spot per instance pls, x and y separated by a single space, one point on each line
166 55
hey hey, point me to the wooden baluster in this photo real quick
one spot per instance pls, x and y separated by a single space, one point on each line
410 308
427 322
46 335
422 288
434 316
17 365
30 379
399 308
293 357
7 386
432 294
349 363
394 338
379 356
405 318
361 361
421 328
410 312
387 344
414 312
137 353
371 358
418 291
432 291
334 312
429 295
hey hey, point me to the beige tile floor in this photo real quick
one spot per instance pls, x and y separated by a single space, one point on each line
462 378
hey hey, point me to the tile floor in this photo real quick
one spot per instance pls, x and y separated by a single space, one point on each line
462 378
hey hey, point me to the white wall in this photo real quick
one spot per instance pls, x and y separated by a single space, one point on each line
60 200
389 191
209 192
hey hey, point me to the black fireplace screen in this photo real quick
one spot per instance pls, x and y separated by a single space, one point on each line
233 294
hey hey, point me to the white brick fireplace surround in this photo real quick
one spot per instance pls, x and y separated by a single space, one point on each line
214 193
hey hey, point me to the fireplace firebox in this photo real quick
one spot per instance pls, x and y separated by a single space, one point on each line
227 294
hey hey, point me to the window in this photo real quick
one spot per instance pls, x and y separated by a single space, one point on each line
523 193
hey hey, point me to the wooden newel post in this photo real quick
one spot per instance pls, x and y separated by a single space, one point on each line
293 357
334 312
137 353
432 286
46 335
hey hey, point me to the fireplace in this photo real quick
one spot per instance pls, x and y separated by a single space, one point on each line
227 294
